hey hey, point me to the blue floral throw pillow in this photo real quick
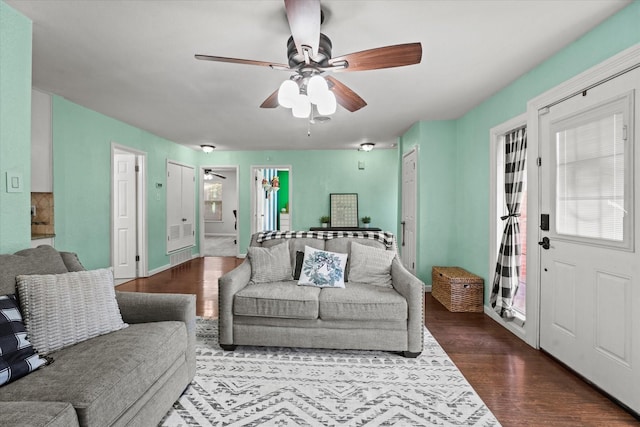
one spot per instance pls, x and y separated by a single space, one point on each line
323 269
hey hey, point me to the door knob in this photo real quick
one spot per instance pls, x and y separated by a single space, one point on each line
545 243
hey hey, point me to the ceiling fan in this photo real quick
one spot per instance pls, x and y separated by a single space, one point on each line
211 173
309 53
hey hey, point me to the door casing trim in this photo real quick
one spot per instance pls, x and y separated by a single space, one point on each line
141 202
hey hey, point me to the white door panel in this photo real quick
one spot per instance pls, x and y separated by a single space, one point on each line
589 272
407 240
124 216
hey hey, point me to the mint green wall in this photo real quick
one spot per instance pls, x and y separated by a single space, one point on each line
15 127
82 188
468 223
436 142
82 151
314 175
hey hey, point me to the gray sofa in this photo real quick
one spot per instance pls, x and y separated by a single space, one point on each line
360 316
130 377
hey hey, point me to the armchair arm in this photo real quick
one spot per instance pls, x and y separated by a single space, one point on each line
412 289
228 285
137 307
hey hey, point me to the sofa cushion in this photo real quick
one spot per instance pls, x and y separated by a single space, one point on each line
277 299
322 268
270 264
370 265
38 414
104 376
359 301
63 309
296 245
71 261
41 260
343 245
17 357
298 265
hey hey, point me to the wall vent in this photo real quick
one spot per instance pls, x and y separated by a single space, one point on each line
179 257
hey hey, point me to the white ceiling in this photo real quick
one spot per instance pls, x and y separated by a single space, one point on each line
134 61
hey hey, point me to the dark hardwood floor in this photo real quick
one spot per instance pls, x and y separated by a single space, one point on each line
522 386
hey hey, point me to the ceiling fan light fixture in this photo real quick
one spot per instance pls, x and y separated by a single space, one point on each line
301 107
367 146
207 148
288 93
328 104
317 89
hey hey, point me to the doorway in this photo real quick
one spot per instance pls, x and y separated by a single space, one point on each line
589 205
271 198
128 213
219 211
409 209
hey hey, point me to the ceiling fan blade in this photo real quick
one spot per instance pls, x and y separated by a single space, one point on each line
345 96
382 57
243 61
218 175
304 21
271 101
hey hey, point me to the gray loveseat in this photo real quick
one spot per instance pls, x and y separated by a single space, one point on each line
360 316
130 377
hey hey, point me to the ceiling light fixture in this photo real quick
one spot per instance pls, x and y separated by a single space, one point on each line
207 148
367 146
301 94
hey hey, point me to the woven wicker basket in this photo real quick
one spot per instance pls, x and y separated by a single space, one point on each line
457 289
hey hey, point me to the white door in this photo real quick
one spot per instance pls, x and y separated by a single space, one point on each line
258 213
188 205
124 216
590 290
180 206
407 240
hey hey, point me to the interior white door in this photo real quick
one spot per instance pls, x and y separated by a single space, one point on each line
124 216
188 205
407 239
181 206
258 215
589 258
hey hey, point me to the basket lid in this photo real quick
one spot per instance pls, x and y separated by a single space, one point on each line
458 275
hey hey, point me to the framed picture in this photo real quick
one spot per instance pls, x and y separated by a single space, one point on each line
344 209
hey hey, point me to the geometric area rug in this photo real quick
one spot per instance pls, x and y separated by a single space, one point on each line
275 386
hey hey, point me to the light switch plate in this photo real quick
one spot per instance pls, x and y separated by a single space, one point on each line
361 165
14 182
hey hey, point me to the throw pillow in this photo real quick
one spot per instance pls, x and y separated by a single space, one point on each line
64 309
17 357
322 268
270 264
299 261
370 265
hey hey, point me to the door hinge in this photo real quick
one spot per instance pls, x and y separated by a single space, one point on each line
539 161
624 132
137 258
137 169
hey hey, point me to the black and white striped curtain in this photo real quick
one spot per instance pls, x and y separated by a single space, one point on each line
506 279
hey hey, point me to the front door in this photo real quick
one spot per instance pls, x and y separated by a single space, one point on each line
590 289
